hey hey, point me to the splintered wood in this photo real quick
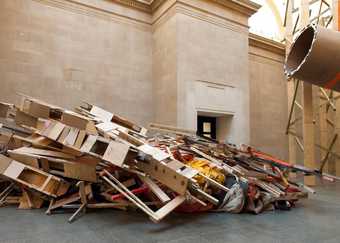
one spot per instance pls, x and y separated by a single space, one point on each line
91 158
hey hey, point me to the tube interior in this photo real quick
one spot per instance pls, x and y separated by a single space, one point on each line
300 50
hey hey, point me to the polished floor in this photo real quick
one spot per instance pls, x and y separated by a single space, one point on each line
314 220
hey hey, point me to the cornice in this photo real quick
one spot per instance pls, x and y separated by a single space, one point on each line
243 6
87 7
246 7
78 7
266 44
144 6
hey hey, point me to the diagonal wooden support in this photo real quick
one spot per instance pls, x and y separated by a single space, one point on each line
154 216
292 106
6 192
83 200
325 159
298 142
329 101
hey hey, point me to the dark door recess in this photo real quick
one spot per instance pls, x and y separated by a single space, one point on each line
206 126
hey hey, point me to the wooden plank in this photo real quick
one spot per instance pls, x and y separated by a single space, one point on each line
169 207
101 113
167 176
82 193
80 171
155 189
82 168
44 165
48 127
106 126
56 131
126 123
69 199
43 152
22 118
80 139
35 179
308 132
64 134
23 158
336 26
14 169
89 142
4 108
4 163
129 138
156 153
30 200
39 109
123 190
48 180
116 153
75 120
71 137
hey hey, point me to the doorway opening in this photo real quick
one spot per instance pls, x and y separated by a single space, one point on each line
215 125
206 126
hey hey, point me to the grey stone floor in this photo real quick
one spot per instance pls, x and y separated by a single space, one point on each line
313 220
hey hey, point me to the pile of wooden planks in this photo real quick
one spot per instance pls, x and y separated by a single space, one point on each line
91 158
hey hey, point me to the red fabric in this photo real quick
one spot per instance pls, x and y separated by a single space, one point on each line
193 208
136 191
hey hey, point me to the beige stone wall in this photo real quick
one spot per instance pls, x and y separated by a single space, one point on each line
268 96
165 69
65 53
213 70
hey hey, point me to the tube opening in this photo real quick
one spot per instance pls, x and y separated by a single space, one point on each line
299 51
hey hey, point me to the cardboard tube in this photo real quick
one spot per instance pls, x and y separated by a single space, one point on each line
314 57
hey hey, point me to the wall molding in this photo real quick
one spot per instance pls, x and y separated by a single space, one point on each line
139 5
256 57
243 6
179 7
79 7
87 10
266 44
211 18
150 6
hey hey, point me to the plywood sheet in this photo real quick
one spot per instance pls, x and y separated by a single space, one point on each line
154 152
24 158
116 153
72 136
101 113
89 142
169 207
80 139
79 171
43 152
4 163
22 118
64 134
56 131
39 110
73 119
14 170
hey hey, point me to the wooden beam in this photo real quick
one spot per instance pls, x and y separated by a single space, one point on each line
308 125
336 26
291 84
